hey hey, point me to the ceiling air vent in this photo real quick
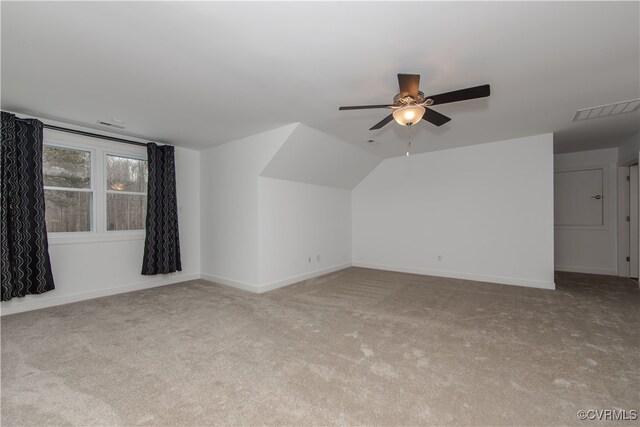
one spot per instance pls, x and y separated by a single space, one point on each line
111 125
607 110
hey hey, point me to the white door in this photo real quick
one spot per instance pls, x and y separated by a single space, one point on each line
633 221
578 198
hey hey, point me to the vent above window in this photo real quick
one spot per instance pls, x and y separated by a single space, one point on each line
607 110
111 125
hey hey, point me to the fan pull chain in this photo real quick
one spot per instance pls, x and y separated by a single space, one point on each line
408 138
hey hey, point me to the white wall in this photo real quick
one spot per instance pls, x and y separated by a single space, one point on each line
304 231
628 151
590 250
258 232
229 199
90 267
486 209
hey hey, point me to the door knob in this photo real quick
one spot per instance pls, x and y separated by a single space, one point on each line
597 197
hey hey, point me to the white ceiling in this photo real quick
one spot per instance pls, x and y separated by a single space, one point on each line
200 74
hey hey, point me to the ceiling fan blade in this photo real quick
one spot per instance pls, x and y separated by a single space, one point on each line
382 122
363 107
461 95
409 84
434 117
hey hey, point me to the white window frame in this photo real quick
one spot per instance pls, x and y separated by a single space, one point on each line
99 149
92 189
107 191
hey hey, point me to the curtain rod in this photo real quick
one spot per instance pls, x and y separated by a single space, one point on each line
94 135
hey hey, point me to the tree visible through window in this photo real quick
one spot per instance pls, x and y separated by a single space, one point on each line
73 189
67 189
126 193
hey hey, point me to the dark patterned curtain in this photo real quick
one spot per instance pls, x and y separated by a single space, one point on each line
162 242
25 266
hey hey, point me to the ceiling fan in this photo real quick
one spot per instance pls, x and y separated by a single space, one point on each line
410 105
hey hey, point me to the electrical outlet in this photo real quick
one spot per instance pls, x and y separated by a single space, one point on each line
439 257
317 258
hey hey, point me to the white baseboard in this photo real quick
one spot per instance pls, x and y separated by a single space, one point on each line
465 276
35 302
295 279
249 287
258 289
588 270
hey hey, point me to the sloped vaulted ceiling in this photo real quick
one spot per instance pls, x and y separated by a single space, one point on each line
314 157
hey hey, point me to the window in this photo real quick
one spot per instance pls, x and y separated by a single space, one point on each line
93 188
126 193
68 189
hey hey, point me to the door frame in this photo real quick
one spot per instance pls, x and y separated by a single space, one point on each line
634 237
623 228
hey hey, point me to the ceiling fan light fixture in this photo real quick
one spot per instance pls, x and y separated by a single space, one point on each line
408 115
409 104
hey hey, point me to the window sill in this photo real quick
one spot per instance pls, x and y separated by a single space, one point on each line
94 238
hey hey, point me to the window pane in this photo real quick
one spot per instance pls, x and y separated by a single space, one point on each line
68 211
124 174
126 211
63 167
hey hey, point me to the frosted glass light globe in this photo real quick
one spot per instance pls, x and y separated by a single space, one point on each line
409 115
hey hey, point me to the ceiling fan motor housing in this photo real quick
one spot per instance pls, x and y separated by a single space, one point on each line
401 101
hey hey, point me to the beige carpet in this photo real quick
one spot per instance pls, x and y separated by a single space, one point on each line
354 347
